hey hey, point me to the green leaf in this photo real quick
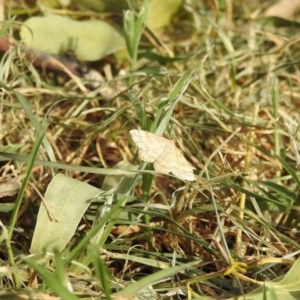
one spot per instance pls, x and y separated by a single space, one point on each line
161 12
67 199
286 287
90 40
114 6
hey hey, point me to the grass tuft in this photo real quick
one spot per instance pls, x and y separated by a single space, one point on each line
222 81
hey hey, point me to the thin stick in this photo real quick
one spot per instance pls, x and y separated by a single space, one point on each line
242 201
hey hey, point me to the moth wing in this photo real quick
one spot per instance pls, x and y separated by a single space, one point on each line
162 163
180 167
163 154
150 145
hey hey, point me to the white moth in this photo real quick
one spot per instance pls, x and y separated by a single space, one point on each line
163 154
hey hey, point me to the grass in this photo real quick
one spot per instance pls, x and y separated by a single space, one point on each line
225 85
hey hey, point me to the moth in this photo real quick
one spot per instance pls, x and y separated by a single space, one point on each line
163 153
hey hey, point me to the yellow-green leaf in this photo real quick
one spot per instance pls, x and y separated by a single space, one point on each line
89 40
